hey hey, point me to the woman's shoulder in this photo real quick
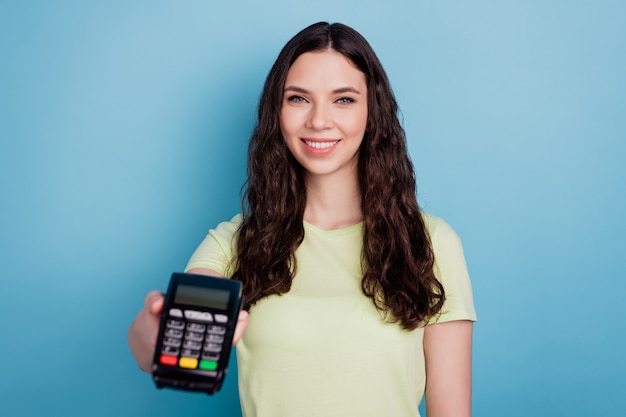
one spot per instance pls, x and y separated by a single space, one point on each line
228 228
443 237
235 221
451 270
437 226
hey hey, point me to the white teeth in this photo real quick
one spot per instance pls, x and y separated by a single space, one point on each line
320 145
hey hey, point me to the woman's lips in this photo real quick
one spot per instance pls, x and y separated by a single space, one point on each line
321 145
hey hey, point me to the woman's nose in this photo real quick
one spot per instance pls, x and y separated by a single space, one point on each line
320 117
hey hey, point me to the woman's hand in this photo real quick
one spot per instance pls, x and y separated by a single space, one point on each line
144 330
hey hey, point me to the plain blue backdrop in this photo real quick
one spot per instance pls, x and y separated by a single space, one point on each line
123 135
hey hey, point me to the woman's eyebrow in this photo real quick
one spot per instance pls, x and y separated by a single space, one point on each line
346 90
341 90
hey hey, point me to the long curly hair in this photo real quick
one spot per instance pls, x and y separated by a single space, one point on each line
397 257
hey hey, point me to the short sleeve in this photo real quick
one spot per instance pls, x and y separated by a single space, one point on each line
217 250
451 270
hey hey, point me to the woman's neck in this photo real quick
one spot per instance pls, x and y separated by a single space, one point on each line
333 203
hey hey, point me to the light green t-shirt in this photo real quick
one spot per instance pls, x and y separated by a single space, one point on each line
322 349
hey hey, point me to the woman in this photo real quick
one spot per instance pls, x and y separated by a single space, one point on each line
354 295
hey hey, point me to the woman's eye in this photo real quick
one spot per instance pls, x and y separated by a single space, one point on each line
296 99
345 100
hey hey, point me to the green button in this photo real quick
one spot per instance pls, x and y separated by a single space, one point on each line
208 365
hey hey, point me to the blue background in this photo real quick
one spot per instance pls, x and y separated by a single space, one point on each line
123 133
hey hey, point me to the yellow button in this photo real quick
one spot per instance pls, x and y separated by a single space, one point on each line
189 363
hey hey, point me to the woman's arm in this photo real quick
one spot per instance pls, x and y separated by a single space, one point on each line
448 353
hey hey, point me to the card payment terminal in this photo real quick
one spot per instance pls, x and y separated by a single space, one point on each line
196 332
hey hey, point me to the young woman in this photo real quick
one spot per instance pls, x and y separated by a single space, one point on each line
357 302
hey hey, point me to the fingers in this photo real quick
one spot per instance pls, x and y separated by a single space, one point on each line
148 319
242 323
143 331
153 302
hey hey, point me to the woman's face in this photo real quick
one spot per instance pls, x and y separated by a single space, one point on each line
324 112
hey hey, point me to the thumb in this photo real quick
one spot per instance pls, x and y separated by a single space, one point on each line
154 302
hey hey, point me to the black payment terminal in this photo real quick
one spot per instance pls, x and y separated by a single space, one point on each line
196 332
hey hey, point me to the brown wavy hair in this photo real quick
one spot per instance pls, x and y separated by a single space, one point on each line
397 257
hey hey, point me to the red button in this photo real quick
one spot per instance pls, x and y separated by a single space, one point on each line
169 360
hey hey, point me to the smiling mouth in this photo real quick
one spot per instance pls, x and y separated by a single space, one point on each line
320 145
